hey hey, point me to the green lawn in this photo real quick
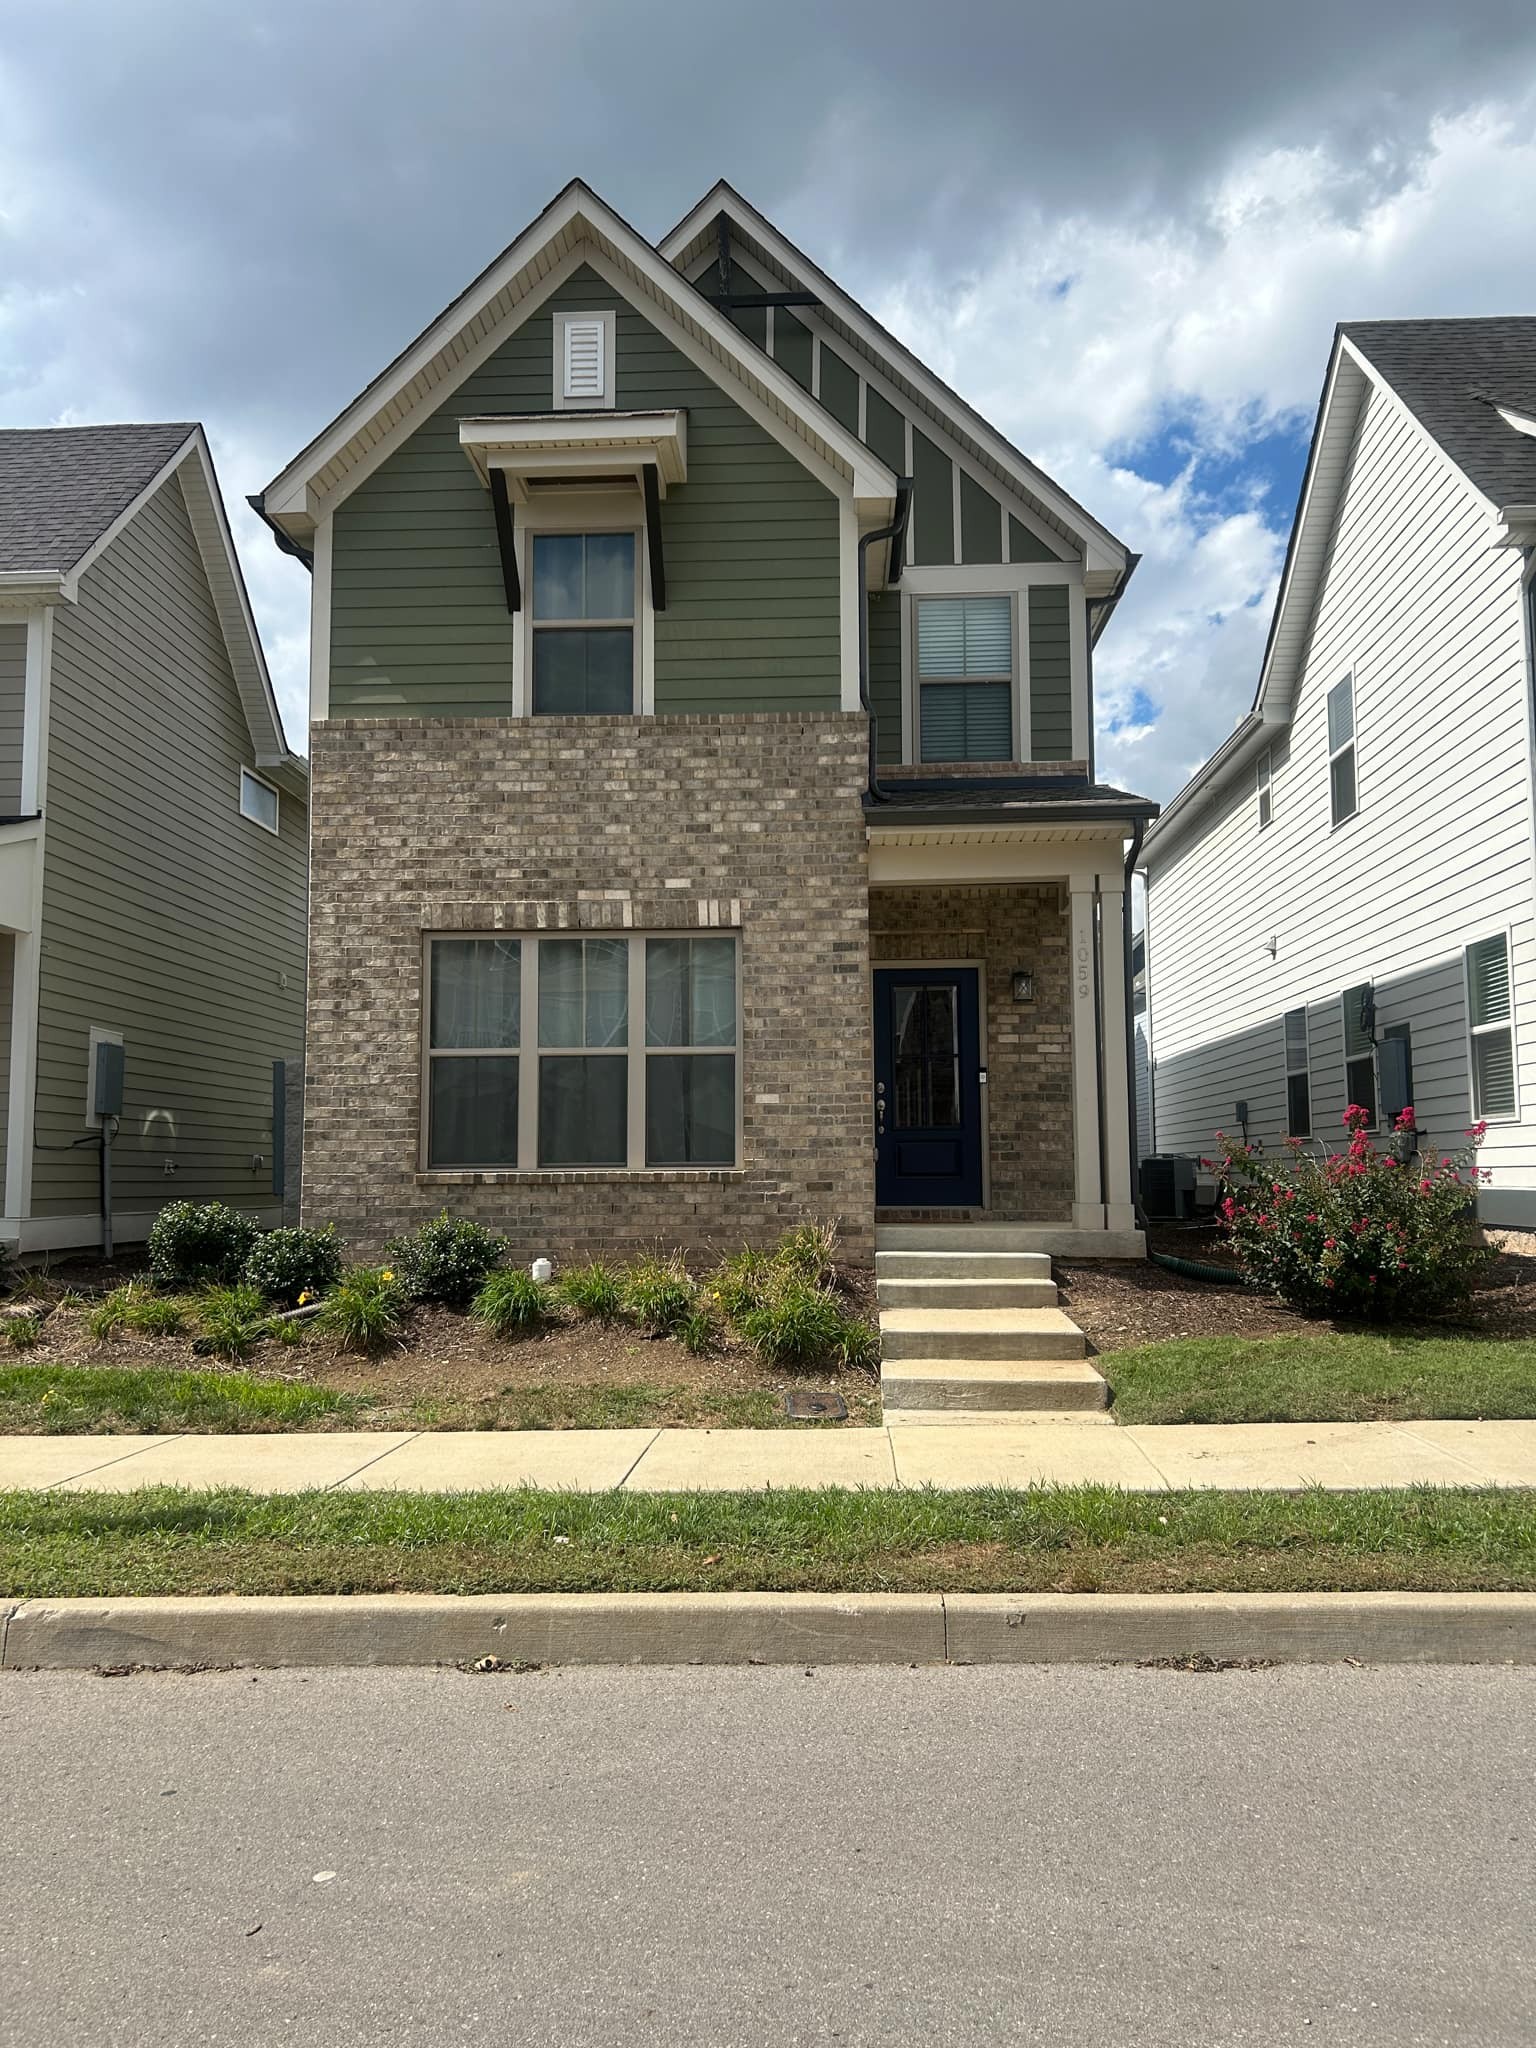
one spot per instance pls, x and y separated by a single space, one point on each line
1081 1540
57 1400
1329 1377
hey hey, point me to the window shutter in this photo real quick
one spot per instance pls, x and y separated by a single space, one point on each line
585 371
1493 1073
1488 980
1358 1041
1295 1039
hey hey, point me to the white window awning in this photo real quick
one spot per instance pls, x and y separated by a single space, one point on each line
561 447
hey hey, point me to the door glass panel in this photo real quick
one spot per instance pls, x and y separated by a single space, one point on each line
925 1040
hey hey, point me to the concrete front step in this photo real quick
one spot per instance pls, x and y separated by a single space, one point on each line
962 1383
1009 1418
966 1293
1060 1240
951 1265
971 1333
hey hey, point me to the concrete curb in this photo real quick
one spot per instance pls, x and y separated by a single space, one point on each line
772 1628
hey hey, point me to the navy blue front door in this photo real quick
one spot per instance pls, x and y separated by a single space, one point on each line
927 1087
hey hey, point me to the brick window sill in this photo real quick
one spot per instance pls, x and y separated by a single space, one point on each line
579 1176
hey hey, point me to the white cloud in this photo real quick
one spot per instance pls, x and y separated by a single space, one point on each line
1087 340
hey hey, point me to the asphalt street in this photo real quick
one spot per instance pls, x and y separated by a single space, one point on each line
731 1857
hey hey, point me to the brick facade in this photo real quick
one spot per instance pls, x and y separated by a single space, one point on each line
1028 1045
541 825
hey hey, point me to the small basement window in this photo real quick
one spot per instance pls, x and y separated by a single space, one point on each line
258 801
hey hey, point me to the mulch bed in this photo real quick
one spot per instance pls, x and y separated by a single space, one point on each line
1123 1303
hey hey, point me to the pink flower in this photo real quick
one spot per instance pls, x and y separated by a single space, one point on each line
1330 1243
1423 1187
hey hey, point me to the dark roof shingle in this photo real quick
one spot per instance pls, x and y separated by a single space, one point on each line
62 487
1003 799
1451 374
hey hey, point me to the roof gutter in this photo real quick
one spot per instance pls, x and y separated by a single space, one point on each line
257 500
896 534
1205 775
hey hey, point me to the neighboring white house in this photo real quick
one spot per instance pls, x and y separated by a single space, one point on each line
1342 902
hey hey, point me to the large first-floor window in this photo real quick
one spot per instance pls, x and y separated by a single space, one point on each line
582 1052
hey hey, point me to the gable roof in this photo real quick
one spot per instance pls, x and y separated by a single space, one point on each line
1453 375
67 492
62 487
576 222
928 393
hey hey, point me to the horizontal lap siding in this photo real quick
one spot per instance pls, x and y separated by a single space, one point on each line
1426 614
1050 673
166 915
885 670
419 618
13 689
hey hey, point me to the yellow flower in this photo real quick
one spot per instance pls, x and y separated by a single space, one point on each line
303 1297
386 1274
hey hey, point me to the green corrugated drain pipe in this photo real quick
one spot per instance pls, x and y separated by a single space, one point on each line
1193 1269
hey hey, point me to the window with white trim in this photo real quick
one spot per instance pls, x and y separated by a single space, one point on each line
582 623
583 361
1343 797
965 678
1298 1075
1491 1025
1359 1005
1262 783
258 801
632 1045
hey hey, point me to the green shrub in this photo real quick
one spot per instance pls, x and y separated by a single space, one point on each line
286 1265
200 1244
366 1309
22 1332
232 1320
1364 1232
798 1324
447 1260
592 1290
512 1303
658 1295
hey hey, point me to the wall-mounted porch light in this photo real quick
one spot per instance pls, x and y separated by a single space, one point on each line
1023 984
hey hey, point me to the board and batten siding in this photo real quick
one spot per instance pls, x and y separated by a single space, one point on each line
13 692
167 916
419 622
1245 924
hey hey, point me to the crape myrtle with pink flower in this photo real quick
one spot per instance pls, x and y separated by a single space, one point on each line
1386 1232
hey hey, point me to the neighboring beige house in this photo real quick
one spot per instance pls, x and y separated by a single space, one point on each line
153 828
706 835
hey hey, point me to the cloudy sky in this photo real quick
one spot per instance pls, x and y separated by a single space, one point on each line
1125 232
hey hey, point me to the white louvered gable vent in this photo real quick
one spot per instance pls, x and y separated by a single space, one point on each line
584 359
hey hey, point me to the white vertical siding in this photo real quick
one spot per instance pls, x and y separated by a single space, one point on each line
1425 613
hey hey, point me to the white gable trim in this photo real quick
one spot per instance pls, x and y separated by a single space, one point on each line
1103 553
192 465
575 225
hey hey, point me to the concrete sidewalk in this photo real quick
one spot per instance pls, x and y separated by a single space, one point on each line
1272 1456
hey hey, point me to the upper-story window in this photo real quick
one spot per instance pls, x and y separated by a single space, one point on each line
1490 1020
583 622
965 678
1343 800
583 361
1266 797
258 801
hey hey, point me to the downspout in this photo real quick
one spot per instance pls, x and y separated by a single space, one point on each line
896 533
1138 834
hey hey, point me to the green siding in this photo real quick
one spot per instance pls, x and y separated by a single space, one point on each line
419 624
13 693
792 346
981 523
752 321
885 431
885 670
1024 546
933 502
840 389
166 915
1050 673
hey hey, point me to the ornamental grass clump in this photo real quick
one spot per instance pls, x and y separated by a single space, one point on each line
365 1311
512 1303
593 1291
1378 1233
658 1295
797 1324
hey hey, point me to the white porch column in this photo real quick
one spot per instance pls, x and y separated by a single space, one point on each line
1120 1213
1087 1199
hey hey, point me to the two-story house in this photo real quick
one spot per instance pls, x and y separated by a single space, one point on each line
705 828
1342 902
153 827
